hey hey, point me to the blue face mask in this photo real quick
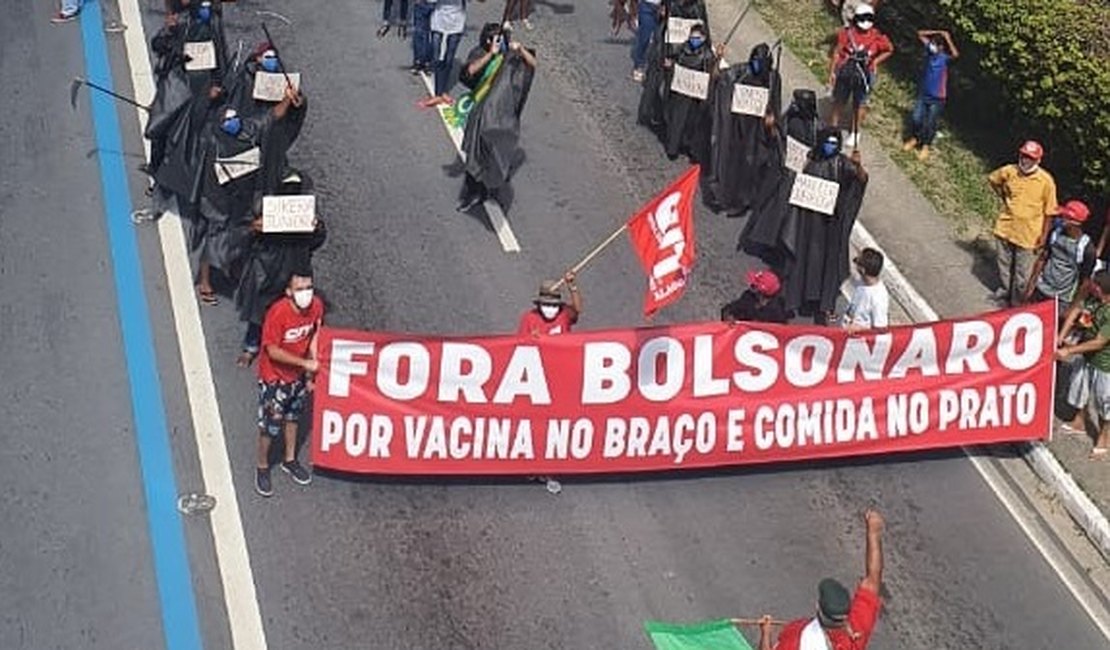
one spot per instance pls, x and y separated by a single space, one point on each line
756 66
204 14
232 126
270 63
696 41
829 149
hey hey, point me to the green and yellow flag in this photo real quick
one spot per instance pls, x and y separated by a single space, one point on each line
455 115
709 635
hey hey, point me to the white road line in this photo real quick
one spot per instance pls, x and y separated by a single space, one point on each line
496 215
244 616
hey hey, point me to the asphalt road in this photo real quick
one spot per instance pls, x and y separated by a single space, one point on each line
432 564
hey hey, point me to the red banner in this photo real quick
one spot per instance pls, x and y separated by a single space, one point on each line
698 395
663 235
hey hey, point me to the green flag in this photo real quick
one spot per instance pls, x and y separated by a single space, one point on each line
710 635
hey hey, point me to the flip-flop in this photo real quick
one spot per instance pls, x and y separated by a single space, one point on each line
209 298
246 358
1098 453
1072 431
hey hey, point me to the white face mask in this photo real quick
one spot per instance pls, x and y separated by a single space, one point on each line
549 312
302 298
865 25
1027 167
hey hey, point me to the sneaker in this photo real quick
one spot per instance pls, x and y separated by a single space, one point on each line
262 484
469 202
143 215
297 472
638 75
383 30
62 17
527 24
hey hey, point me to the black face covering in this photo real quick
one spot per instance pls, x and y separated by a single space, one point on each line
805 102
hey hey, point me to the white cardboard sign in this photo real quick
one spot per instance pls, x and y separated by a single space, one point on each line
270 86
813 193
228 169
296 213
690 82
750 100
201 55
678 29
796 154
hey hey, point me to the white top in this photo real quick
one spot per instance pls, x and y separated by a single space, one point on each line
870 306
449 17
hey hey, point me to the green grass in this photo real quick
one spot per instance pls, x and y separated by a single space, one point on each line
954 177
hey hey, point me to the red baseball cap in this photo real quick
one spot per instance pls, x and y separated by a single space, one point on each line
764 282
1073 210
1033 149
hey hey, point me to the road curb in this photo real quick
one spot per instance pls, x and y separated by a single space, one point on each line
1044 464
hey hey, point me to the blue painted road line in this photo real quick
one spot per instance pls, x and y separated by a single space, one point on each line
167 536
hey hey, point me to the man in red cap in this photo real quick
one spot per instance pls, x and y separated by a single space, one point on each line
1068 256
1028 195
761 302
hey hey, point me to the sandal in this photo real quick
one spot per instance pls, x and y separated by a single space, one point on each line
1072 431
208 297
246 358
1098 453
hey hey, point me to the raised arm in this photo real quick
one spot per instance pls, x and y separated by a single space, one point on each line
873 579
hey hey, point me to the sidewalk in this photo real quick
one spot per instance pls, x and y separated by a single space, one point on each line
945 276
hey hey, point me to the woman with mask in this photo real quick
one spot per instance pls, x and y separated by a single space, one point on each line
448 23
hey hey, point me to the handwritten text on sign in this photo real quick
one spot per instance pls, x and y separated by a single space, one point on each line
796 154
682 396
200 55
678 29
750 100
813 193
690 82
270 86
238 166
289 213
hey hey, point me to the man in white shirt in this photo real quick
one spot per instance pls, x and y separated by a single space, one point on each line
870 305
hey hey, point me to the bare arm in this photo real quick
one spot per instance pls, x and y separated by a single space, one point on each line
575 295
280 355
873 579
1094 345
479 63
1075 309
524 53
765 632
953 52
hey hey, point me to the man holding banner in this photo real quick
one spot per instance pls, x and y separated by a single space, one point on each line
551 315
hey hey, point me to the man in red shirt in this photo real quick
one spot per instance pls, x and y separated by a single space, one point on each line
551 315
841 623
285 370
853 65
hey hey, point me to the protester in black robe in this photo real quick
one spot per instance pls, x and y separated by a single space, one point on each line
226 190
689 121
491 140
817 255
204 23
745 160
270 259
661 54
240 89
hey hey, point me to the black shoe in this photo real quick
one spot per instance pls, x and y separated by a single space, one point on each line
402 31
470 201
383 30
297 472
416 69
262 484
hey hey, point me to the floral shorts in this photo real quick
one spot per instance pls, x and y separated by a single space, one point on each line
278 403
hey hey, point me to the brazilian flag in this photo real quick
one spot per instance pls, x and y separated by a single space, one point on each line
455 115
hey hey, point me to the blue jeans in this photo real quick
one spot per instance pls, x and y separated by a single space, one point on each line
645 30
422 52
70 7
925 115
402 18
445 59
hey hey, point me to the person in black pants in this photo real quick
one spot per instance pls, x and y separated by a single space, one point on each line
402 18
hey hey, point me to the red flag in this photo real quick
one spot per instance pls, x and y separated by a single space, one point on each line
663 236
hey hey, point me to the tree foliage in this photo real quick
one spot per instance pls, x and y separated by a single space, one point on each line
1052 59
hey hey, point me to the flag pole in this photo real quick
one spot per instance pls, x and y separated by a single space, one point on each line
593 253
755 621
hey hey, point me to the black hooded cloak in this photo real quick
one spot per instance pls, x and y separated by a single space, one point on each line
655 86
745 160
491 140
688 122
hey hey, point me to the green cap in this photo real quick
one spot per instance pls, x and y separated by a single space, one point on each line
833 600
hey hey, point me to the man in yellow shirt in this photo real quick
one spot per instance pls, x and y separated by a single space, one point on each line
1028 195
